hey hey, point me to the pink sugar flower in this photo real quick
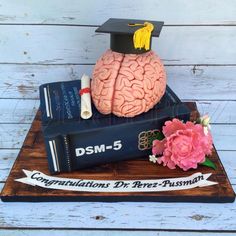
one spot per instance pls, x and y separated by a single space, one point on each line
184 145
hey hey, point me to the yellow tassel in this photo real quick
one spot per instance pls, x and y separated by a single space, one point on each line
142 36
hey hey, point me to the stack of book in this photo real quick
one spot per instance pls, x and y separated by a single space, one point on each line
73 143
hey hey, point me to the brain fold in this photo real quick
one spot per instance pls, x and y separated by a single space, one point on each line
127 84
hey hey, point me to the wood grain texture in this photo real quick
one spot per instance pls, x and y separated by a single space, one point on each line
126 170
14 135
25 232
33 155
74 12
219 111
7 158
18 110
159 216
188 82
23 81
70 44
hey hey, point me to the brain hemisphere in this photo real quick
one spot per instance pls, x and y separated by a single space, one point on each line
127 84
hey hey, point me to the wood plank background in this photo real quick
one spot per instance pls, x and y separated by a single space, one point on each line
81 45
44 41
175 12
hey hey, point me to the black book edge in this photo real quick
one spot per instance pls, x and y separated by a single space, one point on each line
62 143
52 155
58 153
46 106
72 126
67 152
49 127
45 93
56 141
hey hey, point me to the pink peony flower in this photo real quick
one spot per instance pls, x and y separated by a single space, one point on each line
185 145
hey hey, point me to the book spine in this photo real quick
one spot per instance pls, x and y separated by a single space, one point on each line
67 152
46 103
58 154
52 155
120 142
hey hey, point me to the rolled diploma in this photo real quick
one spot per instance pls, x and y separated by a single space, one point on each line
86 110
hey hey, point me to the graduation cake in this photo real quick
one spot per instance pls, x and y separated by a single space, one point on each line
127 111
129 78
130 103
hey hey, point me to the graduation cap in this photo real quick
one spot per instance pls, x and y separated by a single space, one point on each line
131 36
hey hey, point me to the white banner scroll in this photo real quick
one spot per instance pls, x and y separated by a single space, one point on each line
37 178
86 110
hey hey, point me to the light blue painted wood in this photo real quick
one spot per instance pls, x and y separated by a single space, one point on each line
13 135
228 160
224 136
7 158
64 44
18 110
188 82
20 232
23 81
96 12
132 215
219 111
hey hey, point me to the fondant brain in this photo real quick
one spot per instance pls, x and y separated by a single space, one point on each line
127 84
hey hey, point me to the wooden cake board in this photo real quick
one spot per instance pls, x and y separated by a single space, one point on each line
33 156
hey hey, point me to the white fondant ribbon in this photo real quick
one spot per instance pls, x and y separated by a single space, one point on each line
37 178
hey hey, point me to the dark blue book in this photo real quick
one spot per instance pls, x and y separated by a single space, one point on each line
73 143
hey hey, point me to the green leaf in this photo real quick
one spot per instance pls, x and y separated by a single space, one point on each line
158 135
209 163
198 121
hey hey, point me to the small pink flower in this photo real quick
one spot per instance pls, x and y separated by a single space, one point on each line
185 145
158 147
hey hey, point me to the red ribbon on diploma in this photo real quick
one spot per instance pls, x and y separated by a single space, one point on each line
84 90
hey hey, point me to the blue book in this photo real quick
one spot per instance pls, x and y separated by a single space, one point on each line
73 143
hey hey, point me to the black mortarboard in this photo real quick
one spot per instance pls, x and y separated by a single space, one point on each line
122 34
